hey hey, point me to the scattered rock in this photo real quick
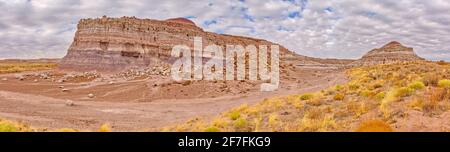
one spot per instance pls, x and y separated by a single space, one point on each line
110 82
4 79
20 77
61 87
65 90
35 80
70 103
91 95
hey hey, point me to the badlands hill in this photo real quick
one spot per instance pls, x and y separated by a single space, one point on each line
389 53
116 43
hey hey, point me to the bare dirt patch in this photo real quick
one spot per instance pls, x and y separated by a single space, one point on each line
138 104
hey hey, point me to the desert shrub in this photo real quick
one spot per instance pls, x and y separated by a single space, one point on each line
212 129
316 100
380 96
353 86
444 83
435 97
6 126
338 87
377 84
105 128
313 113
437 94
404 92
241 123
297 105
374 126
235 114
339 97
416 85
357 109
273 121
366 93
390 97
306 96
431 79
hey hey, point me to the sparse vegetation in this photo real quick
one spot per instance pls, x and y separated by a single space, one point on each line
14 67
11 126
383 91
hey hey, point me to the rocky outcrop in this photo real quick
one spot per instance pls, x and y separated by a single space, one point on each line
117 43
389 53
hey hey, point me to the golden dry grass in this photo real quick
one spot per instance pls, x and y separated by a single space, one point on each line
379 91
15 67
374 126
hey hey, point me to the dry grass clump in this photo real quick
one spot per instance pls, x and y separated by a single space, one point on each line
431 79
374 126
339 97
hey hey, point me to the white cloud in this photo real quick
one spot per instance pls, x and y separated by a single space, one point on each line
331 28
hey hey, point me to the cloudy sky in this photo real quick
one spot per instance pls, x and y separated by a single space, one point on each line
319 28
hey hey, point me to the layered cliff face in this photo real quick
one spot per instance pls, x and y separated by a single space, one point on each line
389 53
117 43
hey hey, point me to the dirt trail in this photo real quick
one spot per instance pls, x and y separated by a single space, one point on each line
43 105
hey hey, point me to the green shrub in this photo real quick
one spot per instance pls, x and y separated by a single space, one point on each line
353 86
380 96
338 87
416 85
306 96
240 123
234 115
404 92
212 129
366 93
7 127
444 83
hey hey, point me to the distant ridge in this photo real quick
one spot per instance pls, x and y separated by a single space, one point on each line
390 53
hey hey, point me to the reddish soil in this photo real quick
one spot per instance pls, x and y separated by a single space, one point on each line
140 104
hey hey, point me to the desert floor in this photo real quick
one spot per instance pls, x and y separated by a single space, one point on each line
145 104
